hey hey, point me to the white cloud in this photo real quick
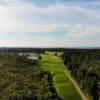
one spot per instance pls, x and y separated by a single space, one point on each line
12 17
15 17
80 30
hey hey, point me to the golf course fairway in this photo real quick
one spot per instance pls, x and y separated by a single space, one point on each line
63 85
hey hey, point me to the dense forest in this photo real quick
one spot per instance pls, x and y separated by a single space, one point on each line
24 79
84 66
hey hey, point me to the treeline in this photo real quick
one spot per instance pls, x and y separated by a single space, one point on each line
84 65
42 50
24 79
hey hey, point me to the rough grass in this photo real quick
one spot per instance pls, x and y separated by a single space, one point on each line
62 83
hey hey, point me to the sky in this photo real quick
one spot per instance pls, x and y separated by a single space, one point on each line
49 23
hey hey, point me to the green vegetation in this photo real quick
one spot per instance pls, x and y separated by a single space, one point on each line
42 75
23 79
84 65
39 57
63 85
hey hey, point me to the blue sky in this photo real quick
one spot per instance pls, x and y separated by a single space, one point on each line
49 23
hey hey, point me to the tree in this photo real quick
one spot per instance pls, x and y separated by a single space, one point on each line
56 54
39 57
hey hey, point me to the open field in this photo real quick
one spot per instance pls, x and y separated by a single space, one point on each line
62 83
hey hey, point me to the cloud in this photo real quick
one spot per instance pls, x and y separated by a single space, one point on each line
32 18
80 30
36 24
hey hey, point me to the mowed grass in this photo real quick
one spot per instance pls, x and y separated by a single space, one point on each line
62 83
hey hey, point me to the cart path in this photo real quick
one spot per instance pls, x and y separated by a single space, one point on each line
75 84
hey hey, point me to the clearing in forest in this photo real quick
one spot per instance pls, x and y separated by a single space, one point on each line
64 87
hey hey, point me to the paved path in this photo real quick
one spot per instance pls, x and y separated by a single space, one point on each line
75 84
